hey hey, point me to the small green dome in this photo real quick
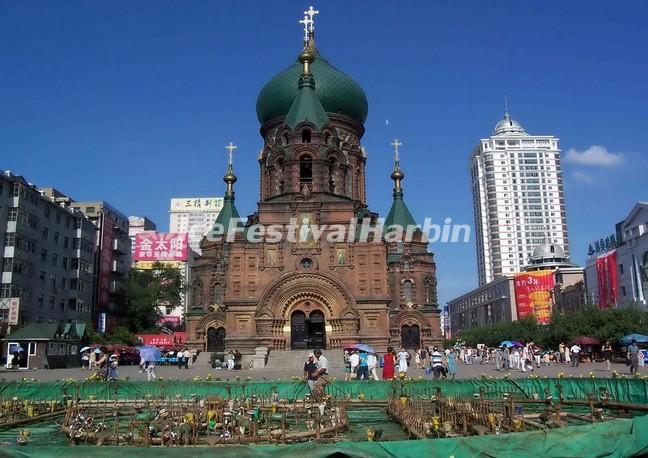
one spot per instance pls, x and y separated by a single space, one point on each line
337 92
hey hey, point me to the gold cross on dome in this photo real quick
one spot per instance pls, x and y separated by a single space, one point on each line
311 12
230 148
396 143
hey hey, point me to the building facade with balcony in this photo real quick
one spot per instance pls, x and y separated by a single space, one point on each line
518 198
48 248
111 262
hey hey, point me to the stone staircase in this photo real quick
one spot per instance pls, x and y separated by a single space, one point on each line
203 359
293 360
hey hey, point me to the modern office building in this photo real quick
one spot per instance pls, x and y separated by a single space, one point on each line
48 250
548 284
195 216
616 273
112 260
137 225
518 198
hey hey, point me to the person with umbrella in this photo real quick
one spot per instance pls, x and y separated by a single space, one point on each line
363 367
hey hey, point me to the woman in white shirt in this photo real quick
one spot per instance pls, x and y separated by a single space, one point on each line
402 357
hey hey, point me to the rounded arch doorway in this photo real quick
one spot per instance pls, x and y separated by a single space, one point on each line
216 339
307 331
411 336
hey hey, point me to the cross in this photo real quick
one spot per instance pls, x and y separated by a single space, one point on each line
306 21
231 147
311 12
396 144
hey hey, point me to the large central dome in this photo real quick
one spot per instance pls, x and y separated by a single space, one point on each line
337 92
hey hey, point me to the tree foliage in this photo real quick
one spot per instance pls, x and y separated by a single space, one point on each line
611 324
145 290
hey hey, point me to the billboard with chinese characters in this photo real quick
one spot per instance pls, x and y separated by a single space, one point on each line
606 273
156 246
150 265
533 294
197 204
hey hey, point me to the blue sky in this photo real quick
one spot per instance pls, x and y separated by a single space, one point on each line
133 102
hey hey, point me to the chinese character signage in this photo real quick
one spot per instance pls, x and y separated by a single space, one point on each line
606 274
197 204
533 294
163 340
150 265
155 246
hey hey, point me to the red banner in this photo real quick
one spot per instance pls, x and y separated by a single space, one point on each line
156 246
533 294
606 274
177 339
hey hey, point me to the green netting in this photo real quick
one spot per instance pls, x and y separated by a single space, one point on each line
622 390
613 438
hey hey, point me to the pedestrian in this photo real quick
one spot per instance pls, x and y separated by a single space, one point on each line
85 360
149 367
363 367
526 359
561 350
499 358
372 363
575 353
113 365
92 361
347 365
388 364
310 371
102 364
567 355
607 354
402 356
180 358
633 357
230 360
436 359
319 386
354 360
417 358
535 351
424 358
452 363
187 357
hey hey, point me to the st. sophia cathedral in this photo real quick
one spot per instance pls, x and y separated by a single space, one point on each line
313 293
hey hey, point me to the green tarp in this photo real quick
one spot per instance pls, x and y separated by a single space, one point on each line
622 390
617 438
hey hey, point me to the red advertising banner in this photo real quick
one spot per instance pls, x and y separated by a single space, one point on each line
156 246
105 260
533 294
164 340
606 274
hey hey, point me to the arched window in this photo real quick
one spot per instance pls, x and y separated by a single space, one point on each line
217 294
306 136
408 291
333 177
197 293
305 171
406 266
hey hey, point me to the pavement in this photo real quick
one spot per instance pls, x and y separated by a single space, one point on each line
270 373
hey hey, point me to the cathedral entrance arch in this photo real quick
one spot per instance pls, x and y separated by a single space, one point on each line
216 339
307 329
411 336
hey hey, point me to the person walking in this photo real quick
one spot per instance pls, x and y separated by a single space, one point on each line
180 358
388 364
425 355
363 367
633 357
354 361
186 356
567 355
575 353
499 359
310 371
402 356
417 358
113 365
230 360
607 354
85 361
92 361
347 365
561 351
452 363
372 363
149 367
437 362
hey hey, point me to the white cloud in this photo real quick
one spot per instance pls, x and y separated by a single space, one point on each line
582 177
595 155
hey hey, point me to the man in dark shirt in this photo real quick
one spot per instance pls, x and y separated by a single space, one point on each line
633 356
310 371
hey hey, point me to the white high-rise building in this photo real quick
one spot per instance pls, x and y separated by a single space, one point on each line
194 215
518 198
